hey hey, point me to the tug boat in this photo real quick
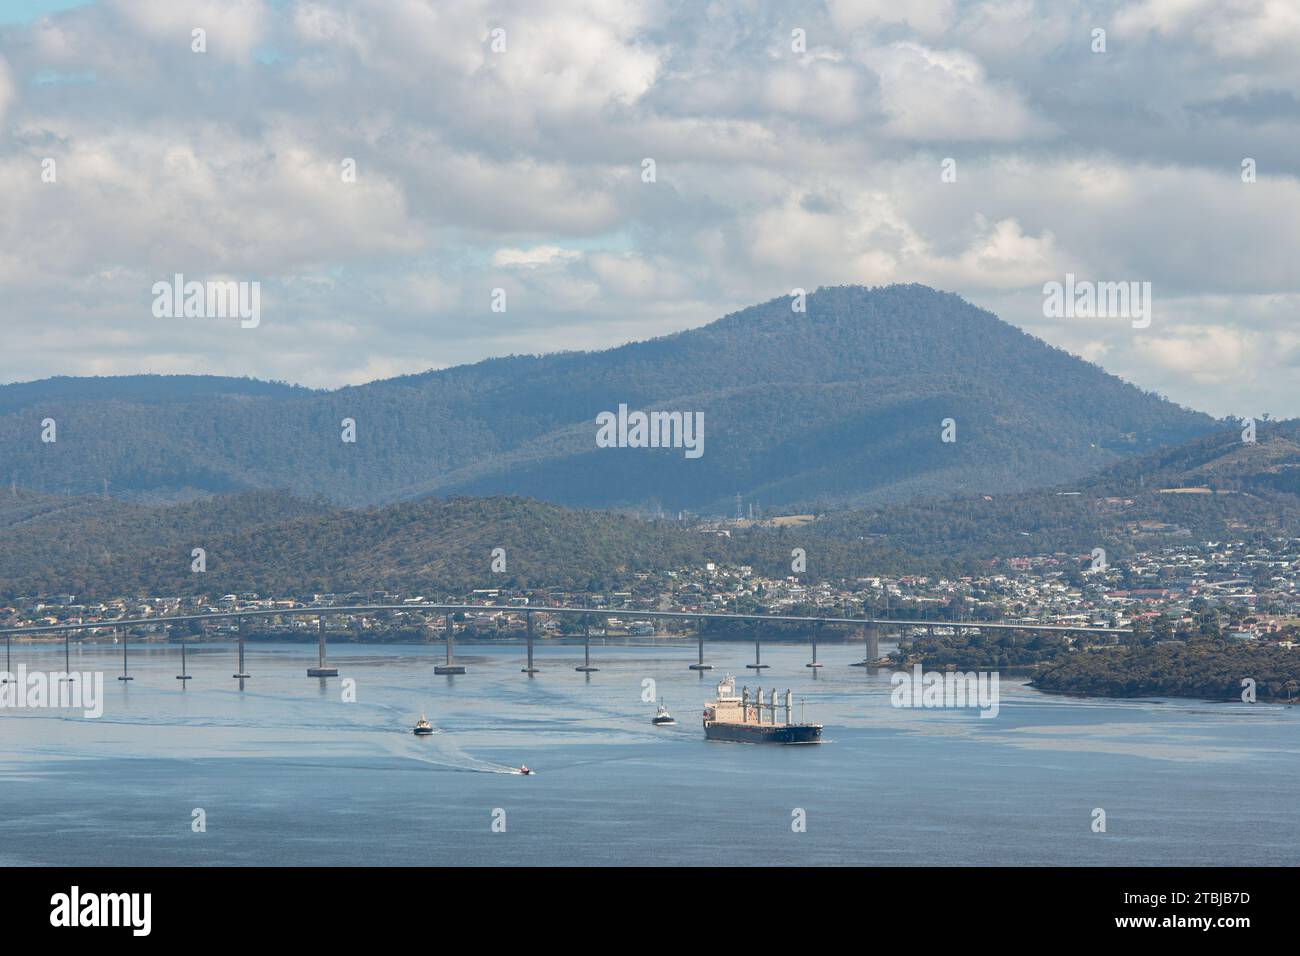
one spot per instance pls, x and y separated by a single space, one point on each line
422 727
662 718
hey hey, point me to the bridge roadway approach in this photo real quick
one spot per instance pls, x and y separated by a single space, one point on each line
871 628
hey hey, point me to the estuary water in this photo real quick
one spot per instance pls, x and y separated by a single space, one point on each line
288 772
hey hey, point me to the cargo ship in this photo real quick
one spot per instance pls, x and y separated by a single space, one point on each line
738 718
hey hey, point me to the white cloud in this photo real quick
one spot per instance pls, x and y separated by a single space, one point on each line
927 17
6 88
1001 255
1210 355
947 95
534 257
1228 28
522 170
234 27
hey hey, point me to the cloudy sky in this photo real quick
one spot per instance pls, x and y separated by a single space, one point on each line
777 165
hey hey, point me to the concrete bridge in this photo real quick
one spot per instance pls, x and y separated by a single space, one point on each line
871 627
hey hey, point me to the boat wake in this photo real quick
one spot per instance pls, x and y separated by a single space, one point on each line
447 756
476 764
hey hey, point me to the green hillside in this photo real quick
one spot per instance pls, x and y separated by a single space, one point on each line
841 406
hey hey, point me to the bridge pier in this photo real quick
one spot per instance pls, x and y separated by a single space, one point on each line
586 648
321 669
182 675
700 665
450 667
816 631
870 646
240 673
125 642
530 670
9 667
758 664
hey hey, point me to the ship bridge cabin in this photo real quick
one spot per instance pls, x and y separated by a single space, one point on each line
733 708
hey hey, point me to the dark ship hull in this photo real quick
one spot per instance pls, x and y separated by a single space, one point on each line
764 733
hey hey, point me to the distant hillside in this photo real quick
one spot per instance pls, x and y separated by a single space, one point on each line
137 389
1220 461
1211 488
839 406
275 543
1210 670
54 544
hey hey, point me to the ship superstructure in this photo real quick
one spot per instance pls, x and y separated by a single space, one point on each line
745 719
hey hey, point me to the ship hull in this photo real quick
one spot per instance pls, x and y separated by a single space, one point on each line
764 733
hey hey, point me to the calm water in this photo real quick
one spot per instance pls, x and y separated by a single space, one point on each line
288 773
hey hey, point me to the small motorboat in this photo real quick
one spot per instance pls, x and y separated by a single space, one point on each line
662 718
525 771
422 727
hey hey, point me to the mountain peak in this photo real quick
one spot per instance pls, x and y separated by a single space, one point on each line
845 404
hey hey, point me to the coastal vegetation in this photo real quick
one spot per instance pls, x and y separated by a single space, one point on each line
1159 659
1213 670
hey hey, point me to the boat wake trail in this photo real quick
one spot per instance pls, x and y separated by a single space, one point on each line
476 764
447 756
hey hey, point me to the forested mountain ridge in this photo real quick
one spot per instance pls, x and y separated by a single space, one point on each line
1215 487
841 405
137 389
275 543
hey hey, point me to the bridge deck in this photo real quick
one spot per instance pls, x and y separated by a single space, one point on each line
597 612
